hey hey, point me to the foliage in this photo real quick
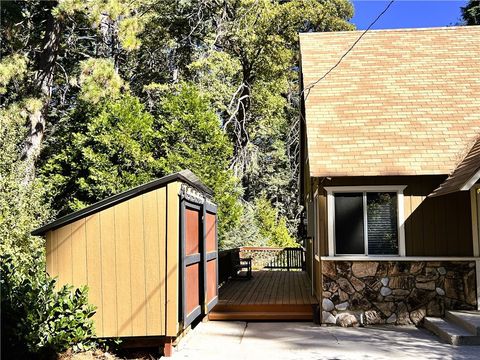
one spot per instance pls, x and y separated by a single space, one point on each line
37 319
272 227
99 81
245 232
121 145
22 205
249 66
110 152
189 137
12 67
471 12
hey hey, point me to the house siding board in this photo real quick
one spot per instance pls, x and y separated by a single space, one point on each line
439 226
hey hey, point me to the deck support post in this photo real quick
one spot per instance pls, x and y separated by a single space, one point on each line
168 347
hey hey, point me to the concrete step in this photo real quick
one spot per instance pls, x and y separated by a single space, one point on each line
469 320
248 312
260 316
451 332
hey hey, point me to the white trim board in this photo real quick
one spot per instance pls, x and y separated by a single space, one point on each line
331 190
474 200
470 182
396 258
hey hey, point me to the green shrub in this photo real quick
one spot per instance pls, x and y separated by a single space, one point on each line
271 225
37 320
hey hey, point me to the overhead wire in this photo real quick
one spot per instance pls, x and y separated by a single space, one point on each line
313 84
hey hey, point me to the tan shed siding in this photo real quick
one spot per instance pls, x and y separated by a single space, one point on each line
94 264
48 245
79 253
137 255
64 255
122 254
152 263
109 273
439 226
119 253
162 248
172 293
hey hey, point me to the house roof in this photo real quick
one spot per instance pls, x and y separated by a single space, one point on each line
465 175
402 102
185 176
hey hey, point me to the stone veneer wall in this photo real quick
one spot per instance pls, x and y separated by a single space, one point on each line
394 292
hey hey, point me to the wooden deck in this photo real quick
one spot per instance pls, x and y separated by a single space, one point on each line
269 295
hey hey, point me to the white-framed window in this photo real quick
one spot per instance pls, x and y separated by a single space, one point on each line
366 220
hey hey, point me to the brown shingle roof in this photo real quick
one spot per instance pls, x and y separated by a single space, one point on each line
466 170
402 102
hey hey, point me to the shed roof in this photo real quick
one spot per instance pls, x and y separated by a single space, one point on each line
185 176
402 102
465 175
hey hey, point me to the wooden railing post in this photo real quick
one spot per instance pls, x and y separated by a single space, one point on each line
288 259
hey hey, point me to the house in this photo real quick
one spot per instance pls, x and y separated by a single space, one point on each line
390 163
147 255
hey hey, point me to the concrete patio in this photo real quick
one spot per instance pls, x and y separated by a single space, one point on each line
304 340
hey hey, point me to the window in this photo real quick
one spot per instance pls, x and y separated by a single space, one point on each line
366 221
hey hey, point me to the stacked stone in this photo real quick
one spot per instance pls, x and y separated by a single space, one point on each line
394 292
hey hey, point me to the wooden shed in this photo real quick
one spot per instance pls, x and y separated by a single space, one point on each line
147 255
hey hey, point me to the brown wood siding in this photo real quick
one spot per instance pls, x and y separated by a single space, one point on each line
438 226
119 253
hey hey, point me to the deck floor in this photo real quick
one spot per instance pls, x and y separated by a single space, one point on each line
269 287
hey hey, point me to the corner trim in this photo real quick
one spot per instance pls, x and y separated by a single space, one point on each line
471 181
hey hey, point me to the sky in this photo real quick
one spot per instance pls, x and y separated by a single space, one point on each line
407 13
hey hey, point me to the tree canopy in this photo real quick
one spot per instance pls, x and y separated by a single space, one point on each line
471 12
117 93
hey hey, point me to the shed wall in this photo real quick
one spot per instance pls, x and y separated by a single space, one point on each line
120 254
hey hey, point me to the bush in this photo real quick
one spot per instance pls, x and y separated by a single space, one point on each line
37 320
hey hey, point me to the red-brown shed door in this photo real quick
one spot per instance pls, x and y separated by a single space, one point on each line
211 256
192 269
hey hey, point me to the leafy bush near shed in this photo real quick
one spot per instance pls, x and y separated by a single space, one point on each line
37 320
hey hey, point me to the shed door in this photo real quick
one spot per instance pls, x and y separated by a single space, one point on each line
211 257
192 249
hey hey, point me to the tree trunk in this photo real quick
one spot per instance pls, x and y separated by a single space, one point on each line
240 131
43 88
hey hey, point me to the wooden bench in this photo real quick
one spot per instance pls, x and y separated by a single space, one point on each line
240 264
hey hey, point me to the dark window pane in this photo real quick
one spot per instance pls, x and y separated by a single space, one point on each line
349 224
382 223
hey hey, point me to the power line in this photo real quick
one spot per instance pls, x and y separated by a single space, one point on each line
312 85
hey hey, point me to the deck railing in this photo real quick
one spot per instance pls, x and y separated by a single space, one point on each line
266 258
226 260
288 259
